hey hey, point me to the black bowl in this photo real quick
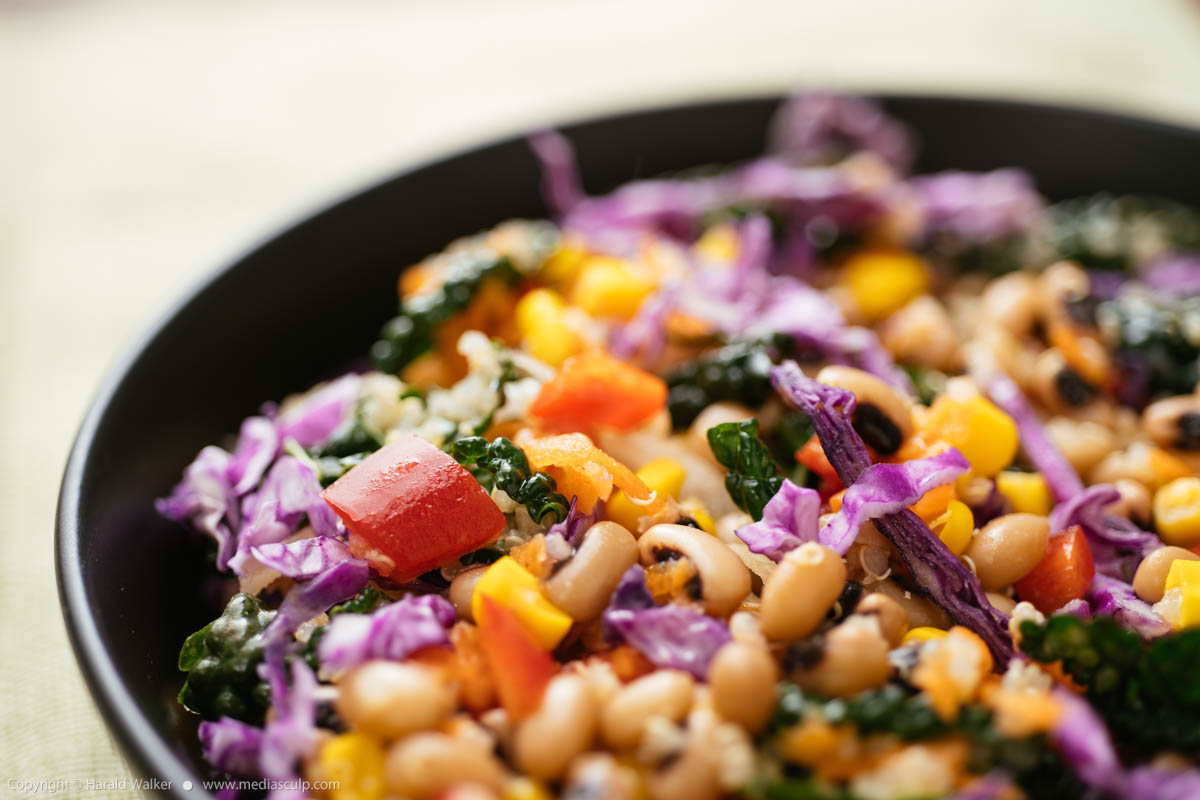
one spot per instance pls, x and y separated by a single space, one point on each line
311 299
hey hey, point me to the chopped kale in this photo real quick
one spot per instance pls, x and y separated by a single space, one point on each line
222 660
738 372
995 256
1118 233
410 334
354 437
929 383
899 711
508 374
1147 693
753 477
367 601
502 464
1157 342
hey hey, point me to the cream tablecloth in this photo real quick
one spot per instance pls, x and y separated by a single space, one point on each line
141 143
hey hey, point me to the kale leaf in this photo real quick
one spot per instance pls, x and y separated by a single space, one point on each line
410 334
1147 692
738 372
1157 342
1106 232
367 601
753 477
502 464
222 660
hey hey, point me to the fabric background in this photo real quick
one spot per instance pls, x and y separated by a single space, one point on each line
143 143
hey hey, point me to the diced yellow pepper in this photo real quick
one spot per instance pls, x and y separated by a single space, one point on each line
955 527
719 243
610 287
524 789
1026 492
545 332
922 634
1177 512
663 476
515 588
1184 576
563 265
985 435
697 511
1165 467
352 763
882 281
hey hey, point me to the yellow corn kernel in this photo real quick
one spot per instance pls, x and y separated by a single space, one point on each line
718 243
524 789
563 265
922 634
1026 492
609 287
352 763
697 511
545 332
1166 467
955 526
1177 512
515 588
663 476
882 281
985 435
1182 574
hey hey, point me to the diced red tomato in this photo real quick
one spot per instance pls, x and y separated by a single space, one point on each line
594 389
409 508
1064 573
519 665
812 456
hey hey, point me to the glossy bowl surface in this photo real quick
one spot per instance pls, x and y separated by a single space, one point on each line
311 299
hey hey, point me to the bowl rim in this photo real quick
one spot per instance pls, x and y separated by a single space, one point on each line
144 751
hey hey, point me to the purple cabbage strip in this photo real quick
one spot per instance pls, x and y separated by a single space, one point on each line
1085 744
1118 545
576 523
815 127
1177 274
1106 284
291 733
943 577
561 187
303 559
994 505
316 418
393 632
232 746
288 494
206 500
1060 476
306 600
887 489
789 520
992 786
257 446
1115 598
1160 783
1076 608
979 207
670 636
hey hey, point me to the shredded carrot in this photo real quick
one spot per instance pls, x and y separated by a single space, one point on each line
585 471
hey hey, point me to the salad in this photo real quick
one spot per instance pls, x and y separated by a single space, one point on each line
805 478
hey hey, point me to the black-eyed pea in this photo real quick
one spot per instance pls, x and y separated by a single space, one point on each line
1150 579
1011 302
723 578
600 775
882 416
1007 548
854 658
1134 501
563 727
922 333
1174 422
1085 444
694 774
921 611
801 590
891 616
741 680
425 764
393 698
462 589
582 586
663 693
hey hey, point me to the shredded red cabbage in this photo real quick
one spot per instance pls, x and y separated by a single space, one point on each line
1115 598
817 127
257 446
1177 274
561 187
789 520
943 577
1117 545
576 523
1085 744
206 500
670 636
232 746
303 559
1059 474
979 207
316 418
393 632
